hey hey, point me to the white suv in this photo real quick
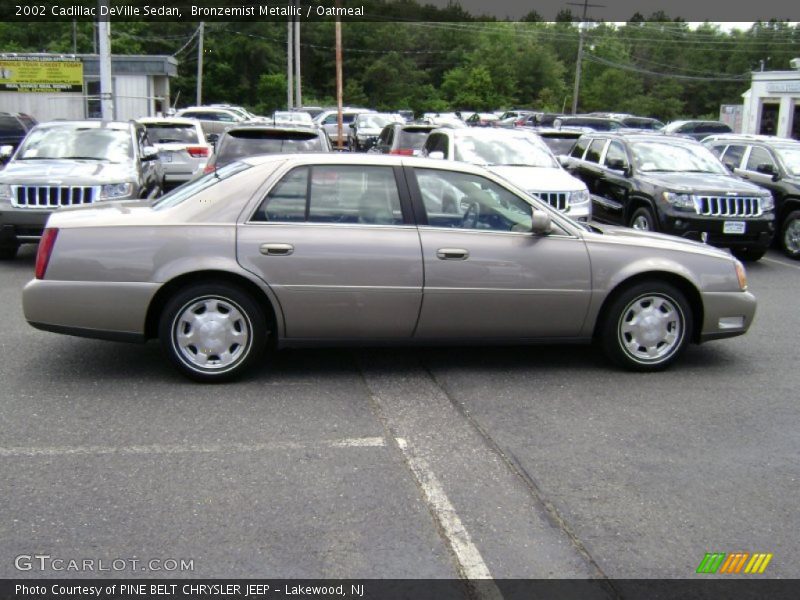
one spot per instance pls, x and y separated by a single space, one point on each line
519 156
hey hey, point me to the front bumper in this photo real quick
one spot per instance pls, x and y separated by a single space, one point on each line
726 314
758 231
22 226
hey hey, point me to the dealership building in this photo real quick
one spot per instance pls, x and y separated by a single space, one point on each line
55 86
772 104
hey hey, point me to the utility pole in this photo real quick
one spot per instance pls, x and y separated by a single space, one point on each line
289 78
199 99
104 35
74 36
339 125
299 98
581 28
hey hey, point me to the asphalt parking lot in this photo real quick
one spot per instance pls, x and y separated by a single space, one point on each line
435 463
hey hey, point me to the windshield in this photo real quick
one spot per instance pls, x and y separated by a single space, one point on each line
191 188
373 121
78 142
171 133
791 158
670 157
523 151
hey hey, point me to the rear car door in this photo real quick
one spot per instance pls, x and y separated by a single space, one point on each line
486 275
338 247
613 187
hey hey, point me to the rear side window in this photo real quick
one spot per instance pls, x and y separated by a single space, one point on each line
595 149
237 144
759 156
334 194
10 126
580 148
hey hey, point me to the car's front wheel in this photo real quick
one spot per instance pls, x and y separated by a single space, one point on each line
647 326
212 331
790 235
643 219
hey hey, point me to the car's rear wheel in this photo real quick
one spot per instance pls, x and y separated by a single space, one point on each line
647 326
643 219
9 252
212 331
790 235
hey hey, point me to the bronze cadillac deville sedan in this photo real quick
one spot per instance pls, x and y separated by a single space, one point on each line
325 249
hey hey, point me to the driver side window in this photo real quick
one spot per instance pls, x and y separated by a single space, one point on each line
465 201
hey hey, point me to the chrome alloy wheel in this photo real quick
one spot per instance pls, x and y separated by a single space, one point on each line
791 236
642 223
651 328
211 334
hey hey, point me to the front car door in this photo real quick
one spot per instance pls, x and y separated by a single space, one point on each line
338 247
486 275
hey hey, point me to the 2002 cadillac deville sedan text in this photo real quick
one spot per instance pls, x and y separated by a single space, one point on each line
321 249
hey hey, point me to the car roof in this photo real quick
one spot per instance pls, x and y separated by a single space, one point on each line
175 120
750 137
642 136
488 132
120 125
271 127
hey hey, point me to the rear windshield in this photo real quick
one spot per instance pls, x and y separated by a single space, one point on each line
192 188
412 138
249 143
171 133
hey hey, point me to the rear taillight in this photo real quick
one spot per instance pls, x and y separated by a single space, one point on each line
197 151
402 151
209 168
45 250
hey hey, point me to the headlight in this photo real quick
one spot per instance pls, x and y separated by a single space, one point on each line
115 190
5 192
579 197
767 203
677 200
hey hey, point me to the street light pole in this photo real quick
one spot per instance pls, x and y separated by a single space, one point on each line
106 86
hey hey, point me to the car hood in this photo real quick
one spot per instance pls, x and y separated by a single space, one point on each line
540 179
651 239
703 182
368 131
56 172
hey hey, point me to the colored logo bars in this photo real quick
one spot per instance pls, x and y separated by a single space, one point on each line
720 562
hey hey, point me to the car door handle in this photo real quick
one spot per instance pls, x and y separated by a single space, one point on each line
452 254
276 249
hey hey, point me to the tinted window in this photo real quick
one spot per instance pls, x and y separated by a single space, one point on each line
616 153
166 133
733 156
287 200
237 144
595 149
465 201
10 126
759 156
412 138
436 143
354 194
580 148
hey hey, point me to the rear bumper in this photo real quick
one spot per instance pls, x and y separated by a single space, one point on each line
105 310
726 314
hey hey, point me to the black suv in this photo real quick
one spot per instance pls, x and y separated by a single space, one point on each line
13 129
773 163
673 185
405 139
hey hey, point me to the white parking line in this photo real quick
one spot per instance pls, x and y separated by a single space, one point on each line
22 451
780 262
469 558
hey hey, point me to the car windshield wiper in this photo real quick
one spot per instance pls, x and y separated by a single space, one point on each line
170 141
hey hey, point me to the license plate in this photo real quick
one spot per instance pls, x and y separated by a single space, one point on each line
733 227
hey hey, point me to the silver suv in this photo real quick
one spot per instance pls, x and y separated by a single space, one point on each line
70 163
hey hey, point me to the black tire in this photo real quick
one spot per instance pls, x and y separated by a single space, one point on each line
790 230
9 252
643 216
670 317
749 253
235 311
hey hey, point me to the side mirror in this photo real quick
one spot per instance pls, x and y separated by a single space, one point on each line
617 164
563 160
437 155
541 223
352 125
768 169
6 152
149 153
